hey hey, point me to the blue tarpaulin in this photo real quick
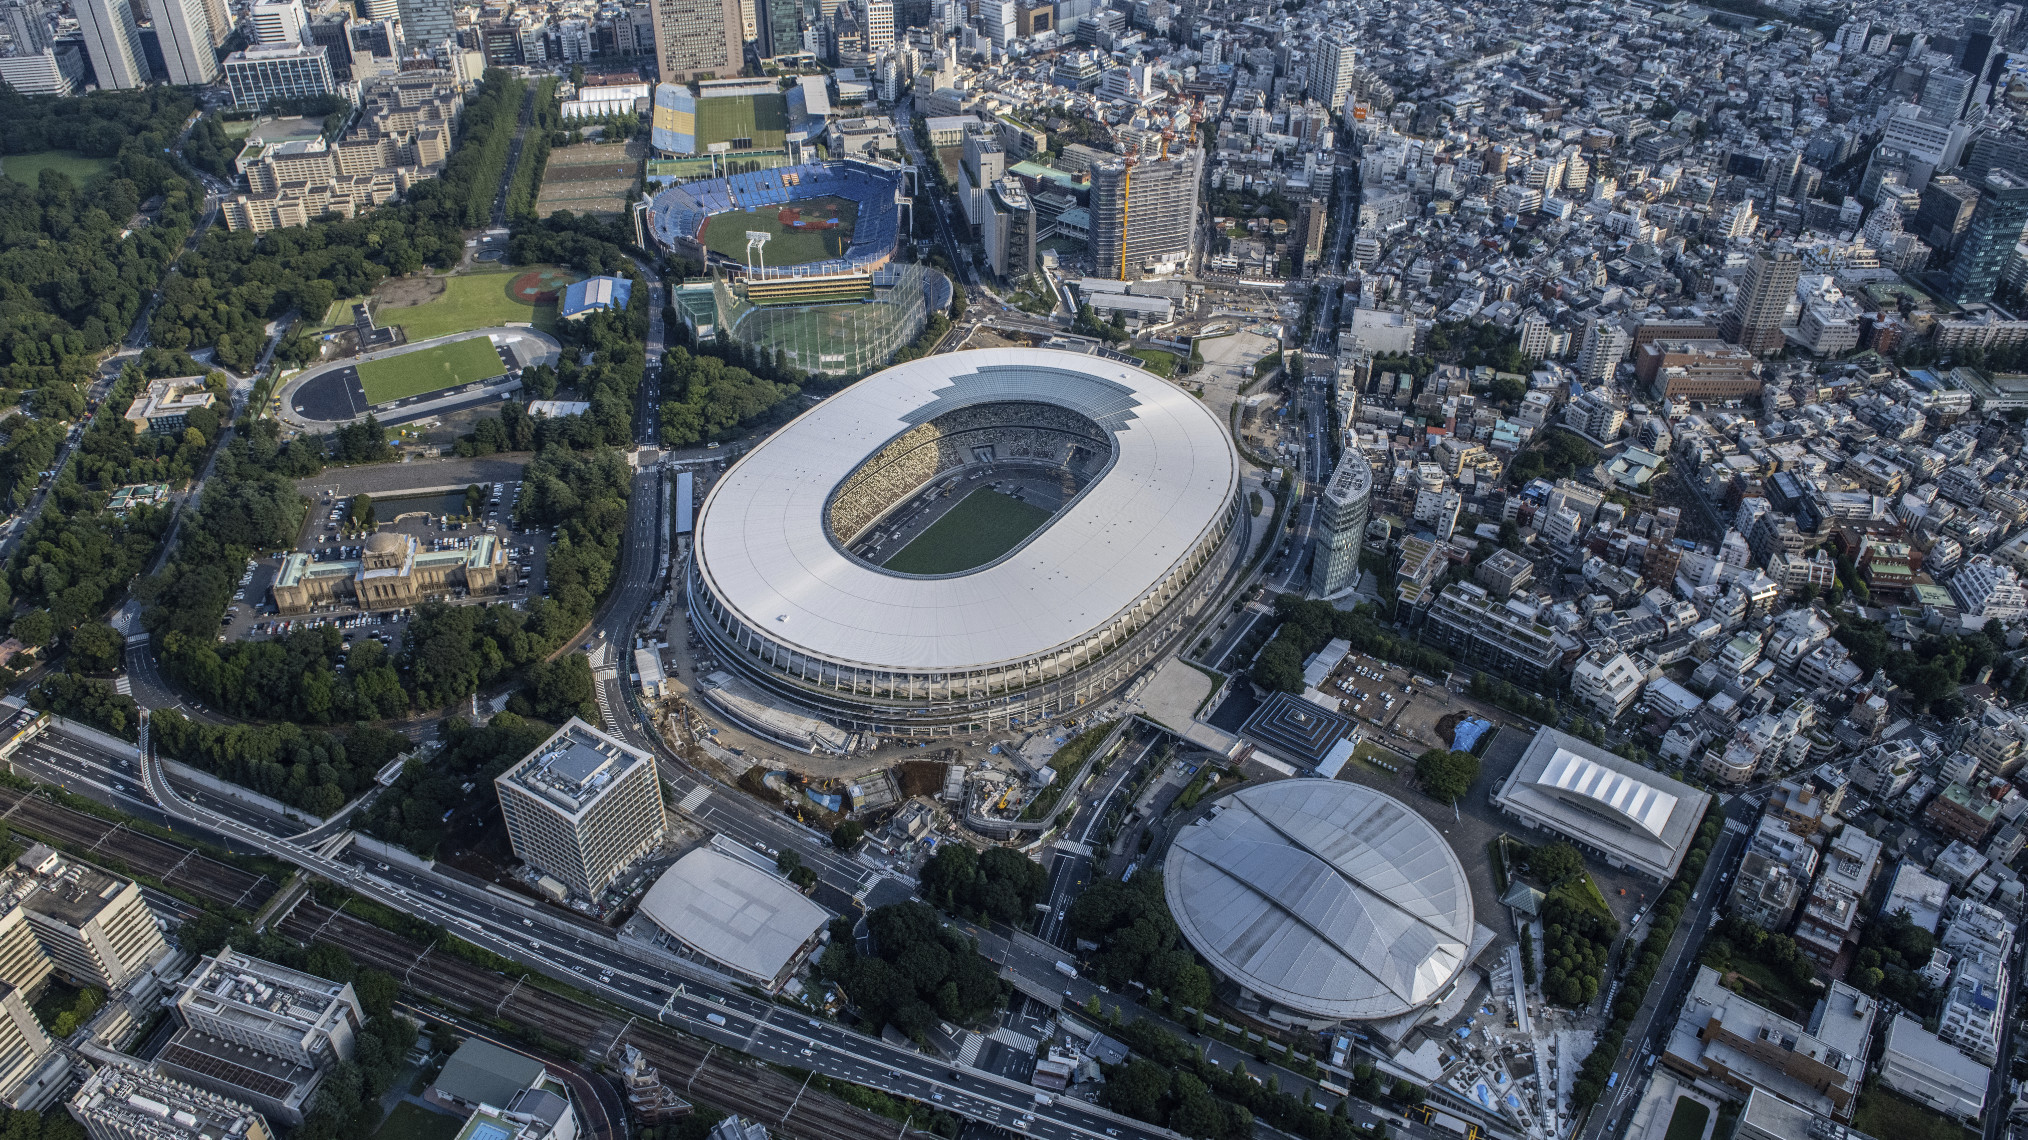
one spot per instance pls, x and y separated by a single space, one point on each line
1469 732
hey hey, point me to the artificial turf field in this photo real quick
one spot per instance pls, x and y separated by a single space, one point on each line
984 525
726 233
445 366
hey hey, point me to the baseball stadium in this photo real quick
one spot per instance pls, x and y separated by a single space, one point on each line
822 288
967 543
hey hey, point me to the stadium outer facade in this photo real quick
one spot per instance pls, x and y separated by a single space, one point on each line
842 315
1063 619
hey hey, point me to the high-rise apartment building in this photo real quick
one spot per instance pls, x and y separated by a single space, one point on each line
697 39
113 43
279 22
1341 525
1606 343
1989 241
581 807
1331 72
1755 320
97 929
1144 215
183 28
124 1102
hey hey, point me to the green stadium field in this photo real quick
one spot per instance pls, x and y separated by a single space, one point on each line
984 525
445 366
763 120
726 233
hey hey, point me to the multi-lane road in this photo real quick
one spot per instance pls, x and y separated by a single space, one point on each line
650 984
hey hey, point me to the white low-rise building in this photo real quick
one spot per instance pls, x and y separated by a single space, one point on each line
1987 589
1920 1066
1609 683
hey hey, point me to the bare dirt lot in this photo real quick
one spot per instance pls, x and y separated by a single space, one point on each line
590 178
408 292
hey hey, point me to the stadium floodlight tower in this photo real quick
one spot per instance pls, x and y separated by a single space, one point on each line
756 250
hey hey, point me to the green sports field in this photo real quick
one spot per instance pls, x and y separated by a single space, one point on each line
477 300
726 233
27 168
763 120
445 366
984 525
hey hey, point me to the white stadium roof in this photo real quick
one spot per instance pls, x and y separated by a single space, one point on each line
1326 897
764 546
733 912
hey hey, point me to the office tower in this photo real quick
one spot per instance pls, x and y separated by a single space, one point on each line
425 23
261 74
124 1102
1341 524
1331 72
748 19
1755 320
333 33
877 16
779 24
279 22
1946 212
1946 93
30 25
697 39
1989 241
113 43
1144 215
581 807
184 29
377 10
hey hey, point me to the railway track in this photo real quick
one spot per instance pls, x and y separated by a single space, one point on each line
695 1069
692 1067
171 863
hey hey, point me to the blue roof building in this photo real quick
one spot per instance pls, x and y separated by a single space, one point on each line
594 294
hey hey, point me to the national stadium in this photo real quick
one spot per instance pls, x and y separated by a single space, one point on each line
966 543
824 290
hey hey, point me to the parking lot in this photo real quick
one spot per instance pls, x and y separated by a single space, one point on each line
427 518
